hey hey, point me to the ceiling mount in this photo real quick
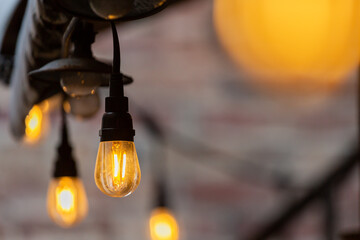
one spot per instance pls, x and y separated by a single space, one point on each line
141 9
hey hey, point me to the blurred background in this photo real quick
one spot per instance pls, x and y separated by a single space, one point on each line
246 130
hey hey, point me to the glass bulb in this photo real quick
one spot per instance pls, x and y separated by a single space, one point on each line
78 84
292 47
163 225
117 170
111 9
66 202
82 107
33 124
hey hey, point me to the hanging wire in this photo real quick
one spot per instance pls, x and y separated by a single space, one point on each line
64 144
116 50
67 37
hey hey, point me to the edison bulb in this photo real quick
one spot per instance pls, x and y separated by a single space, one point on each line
66 202
163 225
33 124
111 9
117 170
78 84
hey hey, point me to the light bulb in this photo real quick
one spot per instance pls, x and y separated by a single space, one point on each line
82 107
78 84
111 9
163 225
117 171
66 202
296 47
33 124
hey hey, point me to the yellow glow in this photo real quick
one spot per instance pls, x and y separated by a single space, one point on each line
163 225
65 200
67 203
45 106
291 45
67 106
117 170
34 124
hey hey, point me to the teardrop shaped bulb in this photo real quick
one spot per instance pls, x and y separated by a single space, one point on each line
117 170
163 225
67 203
33 124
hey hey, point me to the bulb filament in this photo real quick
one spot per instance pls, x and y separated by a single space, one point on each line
117 178
65 200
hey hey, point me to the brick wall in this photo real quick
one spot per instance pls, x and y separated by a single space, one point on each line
265 149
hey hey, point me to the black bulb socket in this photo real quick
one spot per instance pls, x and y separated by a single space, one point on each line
117 124
65 165
161 199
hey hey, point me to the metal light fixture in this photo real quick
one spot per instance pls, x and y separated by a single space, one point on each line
133 9
80 74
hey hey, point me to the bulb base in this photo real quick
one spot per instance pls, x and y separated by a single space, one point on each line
65 165
116 122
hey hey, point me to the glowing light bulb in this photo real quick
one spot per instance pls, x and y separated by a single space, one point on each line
67 203
78 84
33 124
117 170
297 46
111 9
163 225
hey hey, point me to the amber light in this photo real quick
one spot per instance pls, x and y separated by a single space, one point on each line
34 124
163 225
67 203
117 170
292 45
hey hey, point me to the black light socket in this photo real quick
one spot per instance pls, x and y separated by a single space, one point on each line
161 198
65 165
116 122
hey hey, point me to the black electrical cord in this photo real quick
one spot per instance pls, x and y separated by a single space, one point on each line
67 36
116 50
65 165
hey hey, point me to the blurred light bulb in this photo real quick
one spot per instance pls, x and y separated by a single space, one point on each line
66 203
78 84
117 171
296 47
82 107
163 225
33 124
111 9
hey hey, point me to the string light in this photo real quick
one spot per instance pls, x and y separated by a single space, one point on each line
117 171
66 200
36 122
33 124
163 225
